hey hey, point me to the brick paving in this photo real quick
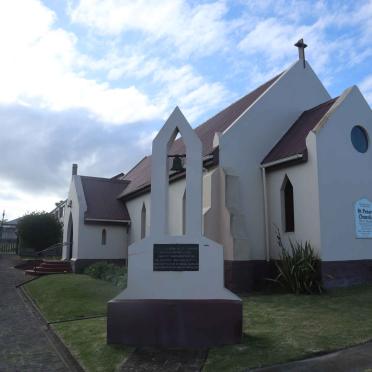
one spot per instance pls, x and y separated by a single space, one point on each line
24 345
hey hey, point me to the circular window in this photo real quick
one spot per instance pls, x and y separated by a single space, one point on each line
359 138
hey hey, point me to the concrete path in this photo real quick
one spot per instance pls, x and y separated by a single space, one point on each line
354 359
24 345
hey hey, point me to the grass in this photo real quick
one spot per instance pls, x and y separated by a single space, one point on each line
277 328
281 328
87 340
71 295
68 296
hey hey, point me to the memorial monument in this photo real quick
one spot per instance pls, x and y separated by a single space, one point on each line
175 295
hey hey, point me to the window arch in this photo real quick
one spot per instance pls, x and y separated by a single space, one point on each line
288 205
103 237
143 221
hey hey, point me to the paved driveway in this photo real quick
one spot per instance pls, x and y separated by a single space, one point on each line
24 345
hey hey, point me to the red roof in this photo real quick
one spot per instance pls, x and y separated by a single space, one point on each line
102 204
294 140
140 175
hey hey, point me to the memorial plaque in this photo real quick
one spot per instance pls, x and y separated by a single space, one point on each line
176 257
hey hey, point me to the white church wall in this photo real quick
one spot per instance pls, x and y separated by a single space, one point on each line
345 176
134 207
176 192
77 203
216 215
244 145
304 180
175 215
90 242
87 238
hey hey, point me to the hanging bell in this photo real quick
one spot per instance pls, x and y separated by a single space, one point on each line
177 164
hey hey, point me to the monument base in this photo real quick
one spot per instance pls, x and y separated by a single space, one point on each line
174 323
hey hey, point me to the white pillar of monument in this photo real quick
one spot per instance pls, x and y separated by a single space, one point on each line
175 296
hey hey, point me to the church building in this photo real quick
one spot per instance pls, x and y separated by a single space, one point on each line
286 157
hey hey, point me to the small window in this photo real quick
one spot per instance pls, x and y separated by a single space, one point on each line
103 238
359 139
143 221
288 205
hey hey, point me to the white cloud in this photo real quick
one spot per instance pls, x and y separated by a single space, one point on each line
39 68
338 34
16 203
189 90
197 29
175 85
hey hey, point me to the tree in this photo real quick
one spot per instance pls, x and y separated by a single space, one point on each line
39 230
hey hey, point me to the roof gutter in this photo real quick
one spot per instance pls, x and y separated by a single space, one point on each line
106 220
284 160
264 184
209 161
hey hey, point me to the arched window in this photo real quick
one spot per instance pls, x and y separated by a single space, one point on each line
103 237
288 205
184 213
143 221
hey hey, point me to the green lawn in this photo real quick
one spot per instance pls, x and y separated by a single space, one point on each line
280 328
69 296
277 327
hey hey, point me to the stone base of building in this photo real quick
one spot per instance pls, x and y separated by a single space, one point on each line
80 264
174 323
346 273
248 276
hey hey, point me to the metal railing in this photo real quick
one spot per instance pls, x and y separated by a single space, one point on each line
54 250
8 247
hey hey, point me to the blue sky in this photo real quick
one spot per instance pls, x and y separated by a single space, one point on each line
91 81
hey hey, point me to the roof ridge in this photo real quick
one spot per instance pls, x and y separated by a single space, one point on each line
321 105
103 179
140 173
239 99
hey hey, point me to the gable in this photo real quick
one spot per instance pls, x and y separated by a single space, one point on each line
293 141
140 175
102 204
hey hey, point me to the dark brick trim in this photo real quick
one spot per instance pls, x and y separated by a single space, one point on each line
174 323
346 273
247 276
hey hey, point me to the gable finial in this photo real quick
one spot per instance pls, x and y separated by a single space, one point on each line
301 50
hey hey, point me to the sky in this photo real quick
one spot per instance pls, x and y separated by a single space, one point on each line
92 81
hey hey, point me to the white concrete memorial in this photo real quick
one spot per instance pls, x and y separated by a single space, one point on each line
175 295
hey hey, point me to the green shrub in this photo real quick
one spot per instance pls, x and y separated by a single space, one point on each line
38 231
298 268
117 275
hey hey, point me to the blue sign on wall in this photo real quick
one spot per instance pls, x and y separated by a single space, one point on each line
363 219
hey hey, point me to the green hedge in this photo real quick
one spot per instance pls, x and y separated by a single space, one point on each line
114 274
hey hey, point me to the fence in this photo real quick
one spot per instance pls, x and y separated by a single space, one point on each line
8 247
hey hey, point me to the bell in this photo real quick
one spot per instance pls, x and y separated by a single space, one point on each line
177 164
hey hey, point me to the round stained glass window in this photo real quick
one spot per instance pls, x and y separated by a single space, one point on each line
359 139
